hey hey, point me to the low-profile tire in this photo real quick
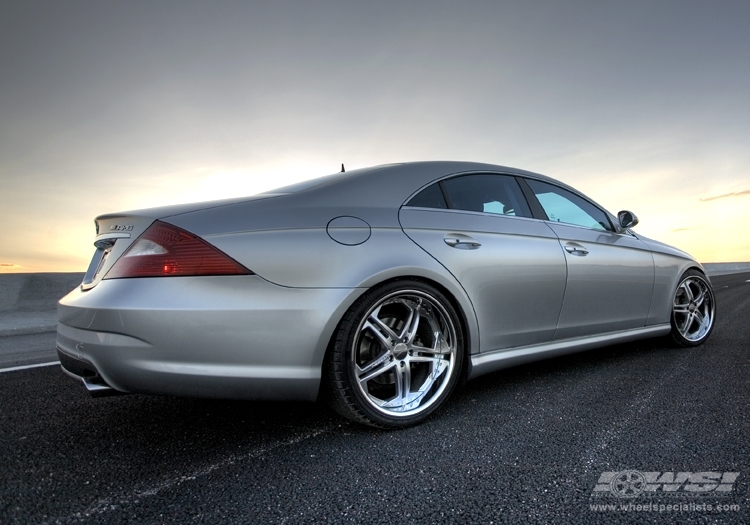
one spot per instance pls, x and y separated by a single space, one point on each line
693 309
396 356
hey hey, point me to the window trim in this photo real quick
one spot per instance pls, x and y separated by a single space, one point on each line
536 208
448 201
537 211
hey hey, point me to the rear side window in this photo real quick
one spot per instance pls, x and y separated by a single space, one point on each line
430 197
561 205
486 193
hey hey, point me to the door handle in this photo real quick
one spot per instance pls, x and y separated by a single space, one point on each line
458 240
576 249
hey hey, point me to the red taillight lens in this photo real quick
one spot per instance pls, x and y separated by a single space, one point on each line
164 250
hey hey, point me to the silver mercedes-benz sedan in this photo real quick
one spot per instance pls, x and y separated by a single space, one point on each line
378 289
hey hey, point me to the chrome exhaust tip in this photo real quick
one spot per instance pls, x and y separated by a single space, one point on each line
100 388
87 373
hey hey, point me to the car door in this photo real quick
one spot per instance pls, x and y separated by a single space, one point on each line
610 274
479 227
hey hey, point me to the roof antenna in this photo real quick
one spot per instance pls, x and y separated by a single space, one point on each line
342 168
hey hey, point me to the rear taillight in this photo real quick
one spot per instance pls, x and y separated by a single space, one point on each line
164 250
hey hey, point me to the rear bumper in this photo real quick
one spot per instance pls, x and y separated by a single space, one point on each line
231 337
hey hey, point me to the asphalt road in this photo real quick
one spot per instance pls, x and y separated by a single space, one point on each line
525 445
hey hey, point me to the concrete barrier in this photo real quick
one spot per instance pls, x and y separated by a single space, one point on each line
725 268
28 301
33 292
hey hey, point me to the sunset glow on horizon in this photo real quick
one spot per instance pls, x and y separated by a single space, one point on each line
115 106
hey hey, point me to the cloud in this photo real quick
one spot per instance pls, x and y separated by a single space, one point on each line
682 229
733 194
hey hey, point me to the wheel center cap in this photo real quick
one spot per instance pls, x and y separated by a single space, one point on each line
692 307
400 351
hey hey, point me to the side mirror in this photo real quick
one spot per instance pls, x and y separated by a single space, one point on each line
627 219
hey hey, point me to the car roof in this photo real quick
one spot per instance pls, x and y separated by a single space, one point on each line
384 187
388 185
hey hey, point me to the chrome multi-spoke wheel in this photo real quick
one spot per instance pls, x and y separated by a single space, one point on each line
693 310
398 355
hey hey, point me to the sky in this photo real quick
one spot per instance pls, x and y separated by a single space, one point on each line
111 106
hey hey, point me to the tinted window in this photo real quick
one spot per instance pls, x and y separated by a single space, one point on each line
498 194
430 197
563 206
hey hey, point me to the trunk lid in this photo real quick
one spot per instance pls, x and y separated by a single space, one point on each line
115 232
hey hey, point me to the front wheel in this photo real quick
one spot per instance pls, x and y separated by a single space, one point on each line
693 309
397 355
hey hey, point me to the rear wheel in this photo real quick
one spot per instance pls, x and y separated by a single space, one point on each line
693 309
397 355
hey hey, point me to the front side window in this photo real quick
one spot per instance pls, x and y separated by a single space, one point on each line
561 205
486 193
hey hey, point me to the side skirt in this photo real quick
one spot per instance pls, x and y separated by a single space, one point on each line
485 363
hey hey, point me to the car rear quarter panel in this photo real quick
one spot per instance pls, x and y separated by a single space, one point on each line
309 258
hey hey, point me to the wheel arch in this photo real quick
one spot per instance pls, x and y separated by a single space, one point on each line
452 291
668 269
463 318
